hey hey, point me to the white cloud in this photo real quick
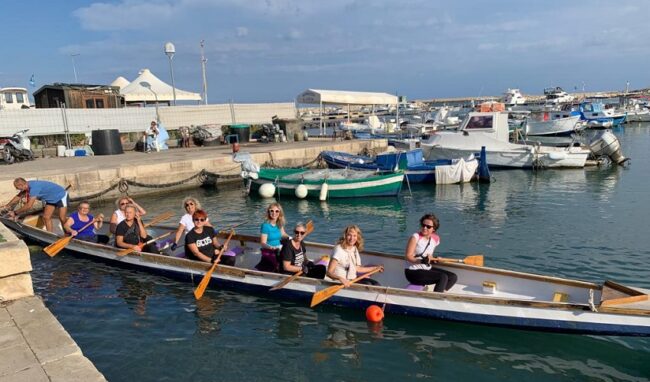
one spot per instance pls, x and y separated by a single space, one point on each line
127 15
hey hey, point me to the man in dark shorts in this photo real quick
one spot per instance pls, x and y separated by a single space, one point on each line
53 195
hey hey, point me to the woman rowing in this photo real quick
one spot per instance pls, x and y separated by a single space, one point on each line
201 242
186 224
419 257
118 215
294 256
271 234
78 226
130 233
346 262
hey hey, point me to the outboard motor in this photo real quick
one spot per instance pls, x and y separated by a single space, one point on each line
608 145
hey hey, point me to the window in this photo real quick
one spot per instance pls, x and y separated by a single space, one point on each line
480 122
99 103
9 98
90 103
19 98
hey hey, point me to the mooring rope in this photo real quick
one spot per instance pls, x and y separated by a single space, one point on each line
123 184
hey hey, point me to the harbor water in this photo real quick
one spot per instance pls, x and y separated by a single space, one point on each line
589 224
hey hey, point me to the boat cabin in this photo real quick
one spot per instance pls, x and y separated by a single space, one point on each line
14 98
494 124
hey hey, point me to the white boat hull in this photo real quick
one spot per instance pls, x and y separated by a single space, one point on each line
560 126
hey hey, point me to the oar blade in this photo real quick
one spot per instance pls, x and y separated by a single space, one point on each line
309 227
324 294
56 247
160 218
203 285
476 260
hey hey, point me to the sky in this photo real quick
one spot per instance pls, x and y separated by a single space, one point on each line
271 50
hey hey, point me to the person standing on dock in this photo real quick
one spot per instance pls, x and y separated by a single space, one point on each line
53 195
419 257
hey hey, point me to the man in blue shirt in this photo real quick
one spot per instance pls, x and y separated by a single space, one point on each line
53 195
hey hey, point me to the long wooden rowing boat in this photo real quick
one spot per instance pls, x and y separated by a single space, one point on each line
482 295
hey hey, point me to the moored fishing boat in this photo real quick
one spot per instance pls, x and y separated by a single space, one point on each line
325 183
483 295
416 169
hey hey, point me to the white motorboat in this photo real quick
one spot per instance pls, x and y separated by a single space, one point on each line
513 97
556 95
490 130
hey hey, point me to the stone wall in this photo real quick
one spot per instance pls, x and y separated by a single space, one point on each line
15 265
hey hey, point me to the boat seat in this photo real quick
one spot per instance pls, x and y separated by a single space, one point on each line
428 288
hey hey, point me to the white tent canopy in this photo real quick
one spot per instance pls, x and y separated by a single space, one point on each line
134 92
342 97
120 82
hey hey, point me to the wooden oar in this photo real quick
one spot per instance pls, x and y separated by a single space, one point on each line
476 260
309 228
233 227
138 248
162 217
198 292
56 247
326 293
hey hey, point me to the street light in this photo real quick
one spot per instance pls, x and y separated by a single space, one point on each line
170 49
74 68
147 85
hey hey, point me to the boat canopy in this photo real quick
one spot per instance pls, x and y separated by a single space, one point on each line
342 97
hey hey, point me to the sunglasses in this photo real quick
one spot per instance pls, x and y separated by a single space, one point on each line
188 204
200 219
299 232
124 204
274 211
426 226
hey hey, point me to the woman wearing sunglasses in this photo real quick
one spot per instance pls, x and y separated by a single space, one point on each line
294 256
201 242
346 262
118 215
271 234
419 256
186 224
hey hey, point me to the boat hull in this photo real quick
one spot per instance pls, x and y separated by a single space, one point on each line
465 302
561 126
370 186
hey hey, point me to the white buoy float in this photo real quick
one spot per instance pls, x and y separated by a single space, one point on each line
323 192
301 191
267 190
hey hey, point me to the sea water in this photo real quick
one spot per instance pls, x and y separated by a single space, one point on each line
588 224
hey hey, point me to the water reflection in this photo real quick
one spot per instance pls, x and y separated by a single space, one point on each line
207 312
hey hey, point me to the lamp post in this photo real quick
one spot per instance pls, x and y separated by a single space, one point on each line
147 85
74 68
170 50
205 81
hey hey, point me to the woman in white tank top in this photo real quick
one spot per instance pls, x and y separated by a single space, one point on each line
419 257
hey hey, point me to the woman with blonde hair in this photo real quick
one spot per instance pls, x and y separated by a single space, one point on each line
271 235
345 262
186 224
118 215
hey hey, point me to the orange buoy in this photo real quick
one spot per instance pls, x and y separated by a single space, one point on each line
235 147
374 313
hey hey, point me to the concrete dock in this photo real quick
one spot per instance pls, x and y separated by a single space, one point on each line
93 174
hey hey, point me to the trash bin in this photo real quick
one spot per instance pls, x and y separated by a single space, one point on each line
107 142
292 128
242 131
